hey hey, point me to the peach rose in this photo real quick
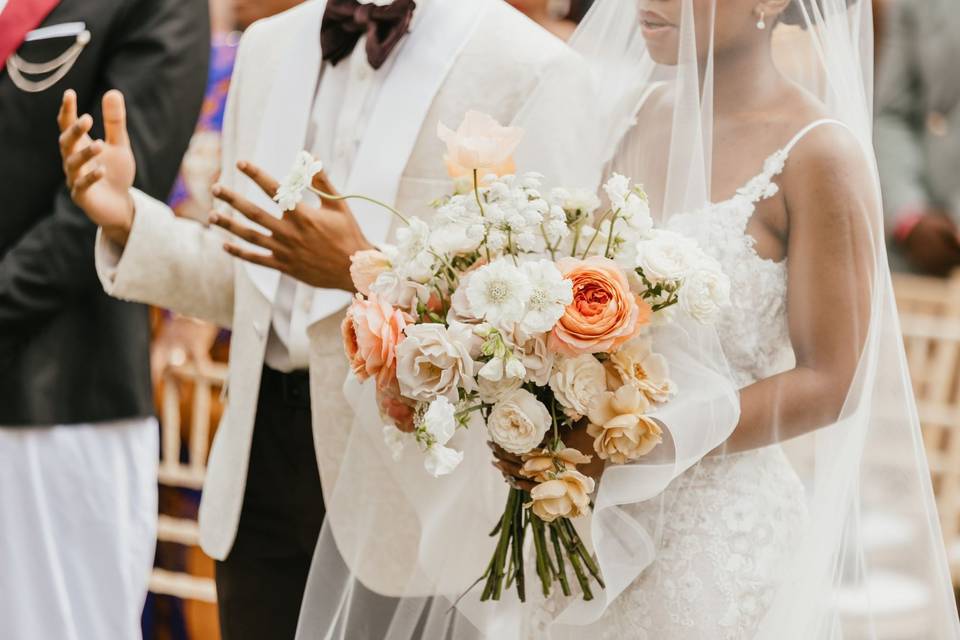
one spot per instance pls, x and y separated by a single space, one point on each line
566 496
480 142
604 313
365 267
395 407
371 332
542 464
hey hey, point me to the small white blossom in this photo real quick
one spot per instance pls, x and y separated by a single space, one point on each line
439 422
413 259
549 296
290 192
442 461
395 441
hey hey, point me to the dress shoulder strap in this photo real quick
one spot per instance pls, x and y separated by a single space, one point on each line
807 129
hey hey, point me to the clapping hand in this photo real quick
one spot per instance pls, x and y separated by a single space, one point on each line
311 244
99 172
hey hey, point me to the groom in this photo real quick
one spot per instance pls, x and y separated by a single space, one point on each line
363 87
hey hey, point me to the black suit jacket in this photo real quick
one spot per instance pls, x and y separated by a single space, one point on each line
68 352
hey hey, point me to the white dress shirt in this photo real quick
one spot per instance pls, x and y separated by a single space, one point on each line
342 106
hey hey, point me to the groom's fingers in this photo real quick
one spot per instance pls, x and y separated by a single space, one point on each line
243 231
267 261
247 208
264 180
73 134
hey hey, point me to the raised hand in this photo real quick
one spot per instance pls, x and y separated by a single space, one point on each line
313 245
99 172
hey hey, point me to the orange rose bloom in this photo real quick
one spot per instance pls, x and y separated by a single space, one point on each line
604 314
371 332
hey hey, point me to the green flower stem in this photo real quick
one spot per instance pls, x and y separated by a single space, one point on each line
494 586
518 526
544 566
597 233
616 216
576 238
561 566
476 193
575 562
583 553
330 196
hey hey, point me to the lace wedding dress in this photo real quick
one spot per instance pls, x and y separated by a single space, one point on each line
728 522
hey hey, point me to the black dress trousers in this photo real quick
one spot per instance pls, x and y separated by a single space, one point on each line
260 585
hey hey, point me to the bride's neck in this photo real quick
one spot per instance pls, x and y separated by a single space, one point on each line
745 77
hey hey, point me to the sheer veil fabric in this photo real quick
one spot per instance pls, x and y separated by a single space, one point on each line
748 123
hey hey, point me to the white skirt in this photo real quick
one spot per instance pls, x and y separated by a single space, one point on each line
78 514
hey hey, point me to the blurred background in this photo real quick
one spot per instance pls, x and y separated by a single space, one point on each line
918 146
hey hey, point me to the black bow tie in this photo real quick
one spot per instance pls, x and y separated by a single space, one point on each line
344 21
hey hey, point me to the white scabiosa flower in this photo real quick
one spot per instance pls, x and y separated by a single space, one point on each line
548 298
290 192
498 292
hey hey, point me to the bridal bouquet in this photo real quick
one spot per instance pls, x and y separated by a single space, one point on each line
527 314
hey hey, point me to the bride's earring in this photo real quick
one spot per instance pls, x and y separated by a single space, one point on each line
761 23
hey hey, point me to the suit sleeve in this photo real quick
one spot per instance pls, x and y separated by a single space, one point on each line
900 116
174 263
156 53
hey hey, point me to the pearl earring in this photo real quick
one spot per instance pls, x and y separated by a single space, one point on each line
761 24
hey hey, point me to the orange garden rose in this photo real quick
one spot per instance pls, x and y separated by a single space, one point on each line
604 313
394 406
371 332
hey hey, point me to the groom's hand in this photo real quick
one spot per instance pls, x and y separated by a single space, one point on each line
99 172
313 245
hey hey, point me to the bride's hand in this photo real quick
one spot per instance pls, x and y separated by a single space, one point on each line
510 465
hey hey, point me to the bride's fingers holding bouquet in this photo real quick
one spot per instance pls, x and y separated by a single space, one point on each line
311 244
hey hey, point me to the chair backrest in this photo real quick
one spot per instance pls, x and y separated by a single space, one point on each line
185 467
930 319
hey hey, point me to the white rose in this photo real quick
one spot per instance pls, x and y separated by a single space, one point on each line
704 293
576 381
664 256
519 422
435 361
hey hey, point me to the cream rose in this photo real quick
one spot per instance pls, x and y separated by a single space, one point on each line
621 431
435 361
575 381
566 496
479 142
537 359
638 365
518 422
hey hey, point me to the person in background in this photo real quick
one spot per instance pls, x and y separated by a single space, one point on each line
179 339
78 443
552 15
918 134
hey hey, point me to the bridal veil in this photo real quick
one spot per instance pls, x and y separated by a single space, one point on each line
400 550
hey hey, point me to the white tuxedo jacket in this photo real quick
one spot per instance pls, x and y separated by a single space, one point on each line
462 54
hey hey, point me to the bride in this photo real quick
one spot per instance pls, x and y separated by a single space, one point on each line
748 122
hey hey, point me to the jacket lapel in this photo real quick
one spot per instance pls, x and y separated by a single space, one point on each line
283 130
423 61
